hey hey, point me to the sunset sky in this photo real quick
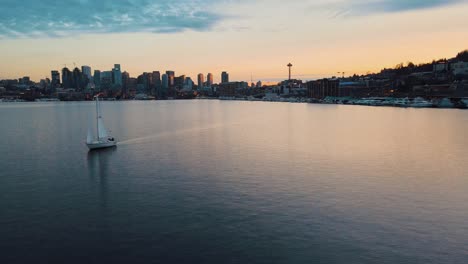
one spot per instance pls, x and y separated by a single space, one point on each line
258 37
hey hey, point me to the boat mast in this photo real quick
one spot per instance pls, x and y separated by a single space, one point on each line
97 116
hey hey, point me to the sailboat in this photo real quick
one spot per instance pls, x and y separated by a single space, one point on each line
102 138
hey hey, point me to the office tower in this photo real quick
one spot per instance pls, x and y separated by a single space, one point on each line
164 85
188 84
179 81
77 79
86 72
170 77
156 79
106 80
55 79
125 82
148 82
209 79
144 83
157 83
201 80
67 78
224 77
97 78
117 76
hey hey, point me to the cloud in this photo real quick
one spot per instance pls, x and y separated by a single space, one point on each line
39 18
370 7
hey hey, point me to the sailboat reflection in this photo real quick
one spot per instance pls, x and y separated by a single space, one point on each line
98 170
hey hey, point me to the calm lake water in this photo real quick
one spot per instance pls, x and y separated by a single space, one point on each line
233 182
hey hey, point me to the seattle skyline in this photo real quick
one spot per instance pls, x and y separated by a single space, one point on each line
244 38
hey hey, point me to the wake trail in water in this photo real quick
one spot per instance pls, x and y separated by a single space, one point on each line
170 133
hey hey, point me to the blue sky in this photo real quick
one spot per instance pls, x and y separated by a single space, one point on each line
51 18
259 37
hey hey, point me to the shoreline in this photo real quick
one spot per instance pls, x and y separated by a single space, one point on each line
443 103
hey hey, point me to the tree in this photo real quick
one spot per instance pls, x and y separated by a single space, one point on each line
463 56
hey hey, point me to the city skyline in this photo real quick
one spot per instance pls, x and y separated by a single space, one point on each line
236 36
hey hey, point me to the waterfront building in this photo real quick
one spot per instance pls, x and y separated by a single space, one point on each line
440 66
188 84
117 76
67 78
132 86
164 85
86 70
97 78
55 83
25 81
459 68
145 82
156 77
201 81
125 82
224 77
323 88
179 81
77 79
170 77
106 80
231 89
209 80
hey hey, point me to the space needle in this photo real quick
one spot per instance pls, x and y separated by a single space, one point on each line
290 66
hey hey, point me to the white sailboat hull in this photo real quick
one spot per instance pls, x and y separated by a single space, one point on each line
102 139
101 144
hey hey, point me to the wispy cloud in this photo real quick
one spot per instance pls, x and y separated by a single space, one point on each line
370 7
31 18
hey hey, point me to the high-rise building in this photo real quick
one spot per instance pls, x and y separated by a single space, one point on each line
179 81
97 78
106 80
117 76
55 79
67 78
144 83
201 81
156 85
86 72
125 82
77 80
164 85
156 79
188 84
224 77
209 80
132 84
170 77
